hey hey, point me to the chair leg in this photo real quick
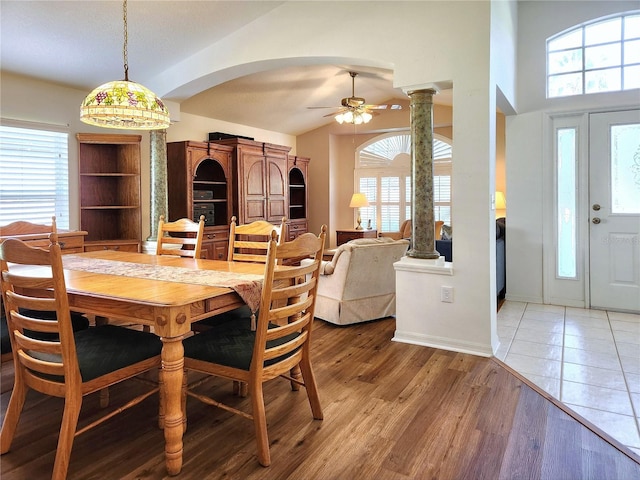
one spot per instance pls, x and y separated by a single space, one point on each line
240 388
295 373
104 397
312 388
12 415
72 405
260 424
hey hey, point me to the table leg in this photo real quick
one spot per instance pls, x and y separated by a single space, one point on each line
172 376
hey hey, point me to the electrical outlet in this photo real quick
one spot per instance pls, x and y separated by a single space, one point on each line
446 294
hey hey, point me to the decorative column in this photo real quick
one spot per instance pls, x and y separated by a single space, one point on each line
159 199
423 241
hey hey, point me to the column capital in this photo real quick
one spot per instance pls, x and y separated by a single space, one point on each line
424 88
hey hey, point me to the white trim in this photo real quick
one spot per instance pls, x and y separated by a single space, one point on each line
53 127
443 343
556 290
410 264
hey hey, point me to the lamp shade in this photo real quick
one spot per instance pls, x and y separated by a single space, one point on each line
501 203
359 200
124 104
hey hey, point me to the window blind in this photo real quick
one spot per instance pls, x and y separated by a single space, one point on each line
34 176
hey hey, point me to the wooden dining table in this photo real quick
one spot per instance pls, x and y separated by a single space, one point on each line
169 305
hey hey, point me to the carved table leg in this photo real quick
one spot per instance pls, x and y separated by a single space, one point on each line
172 376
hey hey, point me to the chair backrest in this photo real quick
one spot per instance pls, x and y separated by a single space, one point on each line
437 234
22 228
187 238
43 350
250 242
288 301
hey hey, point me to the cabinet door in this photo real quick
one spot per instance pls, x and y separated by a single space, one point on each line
277 188
220 250
254 188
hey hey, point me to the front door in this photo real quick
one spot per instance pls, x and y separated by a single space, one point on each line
614 207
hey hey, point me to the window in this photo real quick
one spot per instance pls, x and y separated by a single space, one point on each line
383 174
34 184
566 192
601 56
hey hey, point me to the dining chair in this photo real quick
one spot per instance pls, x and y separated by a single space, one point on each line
249 242
187 238
62 364
281 340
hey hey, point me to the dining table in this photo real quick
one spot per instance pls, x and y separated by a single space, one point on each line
168 293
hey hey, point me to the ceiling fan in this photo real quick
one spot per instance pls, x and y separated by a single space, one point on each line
354 110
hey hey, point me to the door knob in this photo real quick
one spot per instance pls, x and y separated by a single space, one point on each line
595 220
596 207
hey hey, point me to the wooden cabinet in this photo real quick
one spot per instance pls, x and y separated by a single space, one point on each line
110 207
298 196
200 182
344 236
261 174
248 179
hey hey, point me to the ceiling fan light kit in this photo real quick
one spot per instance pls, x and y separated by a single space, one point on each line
355 116
124 104
354 110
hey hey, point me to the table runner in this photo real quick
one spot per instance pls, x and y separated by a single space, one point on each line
247 285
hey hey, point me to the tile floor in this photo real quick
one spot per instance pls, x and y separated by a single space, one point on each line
588 359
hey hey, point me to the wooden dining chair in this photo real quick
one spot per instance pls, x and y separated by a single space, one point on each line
249 242
281 341
50 358
186 240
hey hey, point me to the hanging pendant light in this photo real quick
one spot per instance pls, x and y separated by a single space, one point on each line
124 104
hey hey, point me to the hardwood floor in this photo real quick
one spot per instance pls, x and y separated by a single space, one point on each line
391 411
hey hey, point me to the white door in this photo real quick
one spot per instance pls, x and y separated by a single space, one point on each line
614 207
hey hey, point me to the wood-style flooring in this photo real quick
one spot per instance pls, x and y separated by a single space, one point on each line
392 411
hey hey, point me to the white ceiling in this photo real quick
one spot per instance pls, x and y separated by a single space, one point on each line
79 44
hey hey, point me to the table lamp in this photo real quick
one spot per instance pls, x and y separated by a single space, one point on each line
501 204
359 200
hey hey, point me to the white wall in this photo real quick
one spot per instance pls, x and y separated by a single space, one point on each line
526 135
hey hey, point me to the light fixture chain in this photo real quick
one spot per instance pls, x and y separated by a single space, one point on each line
126 39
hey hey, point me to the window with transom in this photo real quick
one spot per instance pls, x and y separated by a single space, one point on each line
599 56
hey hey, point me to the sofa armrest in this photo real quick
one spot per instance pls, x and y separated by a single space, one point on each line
326 267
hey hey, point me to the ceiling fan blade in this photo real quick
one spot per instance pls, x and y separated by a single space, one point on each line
312 108
384 106
336 112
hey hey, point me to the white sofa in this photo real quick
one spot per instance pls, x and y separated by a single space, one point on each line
359 283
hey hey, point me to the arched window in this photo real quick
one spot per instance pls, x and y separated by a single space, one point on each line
383 174
599 56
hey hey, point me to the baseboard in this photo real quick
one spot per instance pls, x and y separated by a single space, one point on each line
443 343
523 298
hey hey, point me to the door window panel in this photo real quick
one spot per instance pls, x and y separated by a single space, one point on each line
566 203
625 169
